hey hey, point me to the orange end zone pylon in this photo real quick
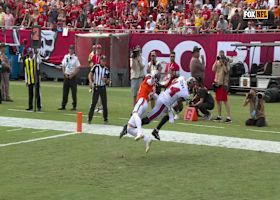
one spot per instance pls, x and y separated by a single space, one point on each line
79 122
190 114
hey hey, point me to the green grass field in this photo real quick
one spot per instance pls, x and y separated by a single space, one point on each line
88 166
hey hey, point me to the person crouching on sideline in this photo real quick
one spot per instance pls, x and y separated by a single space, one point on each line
256 102
70 67
31 69
99 77
221 84
205 100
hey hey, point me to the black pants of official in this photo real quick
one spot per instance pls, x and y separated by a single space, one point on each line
205 107
260 122
31 95
67 85
98 91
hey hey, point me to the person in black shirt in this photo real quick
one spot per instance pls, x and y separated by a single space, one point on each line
205 101
98 78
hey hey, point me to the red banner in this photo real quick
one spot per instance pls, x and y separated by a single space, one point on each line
210 45
55 46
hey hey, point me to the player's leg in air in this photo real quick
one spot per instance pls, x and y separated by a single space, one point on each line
177 108
155 113
134 127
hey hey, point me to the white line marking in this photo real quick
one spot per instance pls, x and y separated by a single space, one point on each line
168 136
13 130
71 114
200 125
262 131
41 131
36 139
19 110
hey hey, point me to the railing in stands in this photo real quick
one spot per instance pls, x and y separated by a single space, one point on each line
181 30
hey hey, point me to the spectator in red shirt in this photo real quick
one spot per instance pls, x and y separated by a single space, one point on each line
206 13
171 70
42 19
96 57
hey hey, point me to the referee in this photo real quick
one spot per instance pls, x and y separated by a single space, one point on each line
98 78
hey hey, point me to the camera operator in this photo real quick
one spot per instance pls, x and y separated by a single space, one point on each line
256 108
136 72
221 84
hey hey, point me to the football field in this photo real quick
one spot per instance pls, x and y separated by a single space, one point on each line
43 158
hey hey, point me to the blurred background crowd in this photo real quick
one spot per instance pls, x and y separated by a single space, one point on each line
150 16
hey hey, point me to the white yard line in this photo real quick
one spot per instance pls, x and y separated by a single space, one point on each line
20 110
36 139
41 131
72 114
169 136
200 125
13 130
262 131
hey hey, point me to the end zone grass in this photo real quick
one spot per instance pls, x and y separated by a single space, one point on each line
86 167
102 167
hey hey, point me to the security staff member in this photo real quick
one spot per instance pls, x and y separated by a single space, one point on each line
98 79
70 67
31 70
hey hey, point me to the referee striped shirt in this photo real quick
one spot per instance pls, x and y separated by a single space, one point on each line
99 72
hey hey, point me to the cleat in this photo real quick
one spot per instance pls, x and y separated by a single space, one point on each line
148 144
155 134
176 117
124 131
217 119
228 120
139 137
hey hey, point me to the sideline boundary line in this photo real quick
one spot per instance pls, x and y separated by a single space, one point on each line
168 136
36 139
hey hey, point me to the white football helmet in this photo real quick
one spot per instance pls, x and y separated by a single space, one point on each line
191 81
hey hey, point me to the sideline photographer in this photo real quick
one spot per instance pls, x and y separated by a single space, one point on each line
256 108
221 84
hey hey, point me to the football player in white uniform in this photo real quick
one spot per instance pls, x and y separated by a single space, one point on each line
173 96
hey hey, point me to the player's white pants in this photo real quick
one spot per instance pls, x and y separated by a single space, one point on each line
135 120
158 110
133 131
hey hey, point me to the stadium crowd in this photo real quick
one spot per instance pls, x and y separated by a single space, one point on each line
149 16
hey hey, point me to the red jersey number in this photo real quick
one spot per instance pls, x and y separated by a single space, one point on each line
173 91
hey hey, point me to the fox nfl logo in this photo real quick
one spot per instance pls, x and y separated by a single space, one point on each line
255 14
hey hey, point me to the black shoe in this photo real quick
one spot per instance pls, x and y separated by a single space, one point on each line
217 119
124 131
106 122
9 100
155 134
62 108
228 120
29 109
39 109
73 109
